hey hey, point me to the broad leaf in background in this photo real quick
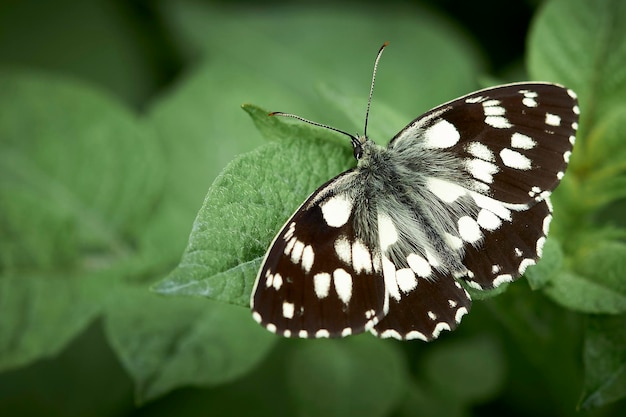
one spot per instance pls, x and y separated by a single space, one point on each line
605 361
168 343
78 176
581 44
42 312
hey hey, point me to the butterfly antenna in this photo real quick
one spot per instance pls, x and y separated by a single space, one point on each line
354 139
369 100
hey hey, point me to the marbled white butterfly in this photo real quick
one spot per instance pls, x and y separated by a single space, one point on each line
461 193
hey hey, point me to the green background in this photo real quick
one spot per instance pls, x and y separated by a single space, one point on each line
137 198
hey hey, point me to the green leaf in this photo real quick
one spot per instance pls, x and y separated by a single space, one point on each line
581 44
258 190
551 263
603 165
467 371
169 343
605 361
78 174
360 376
595 284
278 48
43 312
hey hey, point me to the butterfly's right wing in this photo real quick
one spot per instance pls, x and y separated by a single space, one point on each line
318 279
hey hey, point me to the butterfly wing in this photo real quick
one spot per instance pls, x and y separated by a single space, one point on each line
318 279
514 141
433 305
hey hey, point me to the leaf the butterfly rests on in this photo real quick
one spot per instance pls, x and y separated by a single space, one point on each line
461 193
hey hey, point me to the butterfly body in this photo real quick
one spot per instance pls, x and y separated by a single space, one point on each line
461 193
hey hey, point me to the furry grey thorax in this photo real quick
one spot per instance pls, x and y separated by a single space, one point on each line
388 181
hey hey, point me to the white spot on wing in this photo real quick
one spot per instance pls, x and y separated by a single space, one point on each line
343 250
480 150
277 281
343 285
514 159
459 314
540 242
501 279
361 258
296 253
553 119
492 205
387 232
469 230
389 273
522 141
419 265
472 100
289 245
525 264
453 241
414 334
481 170
322 333
336 210
288 310
439 327
390 333
499 122
406 280
308 256
442 134
444 190
321 284
487 220
529 102
546 224
493 108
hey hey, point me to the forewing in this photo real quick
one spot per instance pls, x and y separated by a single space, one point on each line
514 140
317 278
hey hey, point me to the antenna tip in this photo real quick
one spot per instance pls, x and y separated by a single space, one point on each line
274 113
385 44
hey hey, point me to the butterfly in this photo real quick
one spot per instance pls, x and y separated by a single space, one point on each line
462 193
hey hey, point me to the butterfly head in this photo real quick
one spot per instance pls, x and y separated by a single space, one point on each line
358 146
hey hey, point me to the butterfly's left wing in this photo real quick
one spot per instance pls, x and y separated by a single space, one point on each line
318 279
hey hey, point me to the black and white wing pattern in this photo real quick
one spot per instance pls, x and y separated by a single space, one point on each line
514 142
462 193
318 278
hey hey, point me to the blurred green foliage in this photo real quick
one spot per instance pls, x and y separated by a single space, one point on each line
116 117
